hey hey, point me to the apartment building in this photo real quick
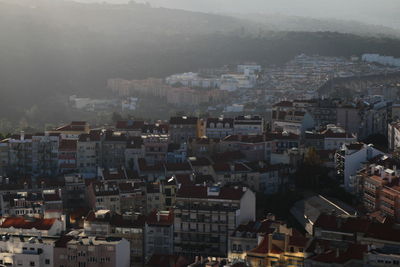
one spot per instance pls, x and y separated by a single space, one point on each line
67 156
248 125
26 250
113 149
4 165
253 147
206 216
92 252
104 196
129 226
379 188
155 197
134 150
159 233
74 192
45 154
155 147
20 154
283 141
31 226
71 131
349 159
284 248
294 121
394 135
246 236
89 153
218 127
236 173
183 128
130 127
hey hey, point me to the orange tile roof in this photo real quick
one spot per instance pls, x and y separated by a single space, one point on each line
21 223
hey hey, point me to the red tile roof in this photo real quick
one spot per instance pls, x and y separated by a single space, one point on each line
22 223
265 226
262 248
73 126
353 252
352 225
166 219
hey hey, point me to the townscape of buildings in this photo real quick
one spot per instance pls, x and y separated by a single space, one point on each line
188 191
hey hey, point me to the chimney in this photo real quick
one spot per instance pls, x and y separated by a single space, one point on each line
337 253
269 243
286 248
395 171
372 169
158 216
22 137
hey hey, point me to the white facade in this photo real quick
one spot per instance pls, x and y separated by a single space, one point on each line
394 135
247 210
26 251
122 253
353 160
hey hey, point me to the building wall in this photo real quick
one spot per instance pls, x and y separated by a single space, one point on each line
247 210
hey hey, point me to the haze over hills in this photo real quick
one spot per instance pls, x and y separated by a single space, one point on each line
58 48
382 12
279 22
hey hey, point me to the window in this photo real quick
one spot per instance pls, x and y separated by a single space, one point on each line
47 261
32 263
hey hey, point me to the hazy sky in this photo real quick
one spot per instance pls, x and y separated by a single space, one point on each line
380 12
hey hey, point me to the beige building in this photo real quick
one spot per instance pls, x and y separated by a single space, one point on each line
104 196
72 130
84 251
129 226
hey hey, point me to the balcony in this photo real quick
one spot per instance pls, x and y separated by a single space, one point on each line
369 197
388 200
387 210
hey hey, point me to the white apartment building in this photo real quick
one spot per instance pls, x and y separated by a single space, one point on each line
206 216
19 250
349 160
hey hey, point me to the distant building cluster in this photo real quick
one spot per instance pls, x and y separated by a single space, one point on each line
192 190
384 60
